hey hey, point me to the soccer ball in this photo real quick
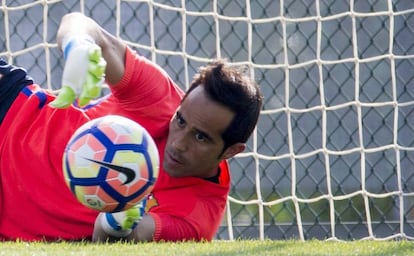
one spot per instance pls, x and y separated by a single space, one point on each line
110 163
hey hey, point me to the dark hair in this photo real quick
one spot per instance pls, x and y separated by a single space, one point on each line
230 86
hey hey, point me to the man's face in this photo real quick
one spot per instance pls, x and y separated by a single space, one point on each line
194 144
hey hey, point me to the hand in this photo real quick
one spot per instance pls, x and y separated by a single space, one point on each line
121 224
83 74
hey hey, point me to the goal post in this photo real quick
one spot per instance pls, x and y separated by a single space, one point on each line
332 156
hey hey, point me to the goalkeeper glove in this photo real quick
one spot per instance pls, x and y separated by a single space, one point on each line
84 71
121 224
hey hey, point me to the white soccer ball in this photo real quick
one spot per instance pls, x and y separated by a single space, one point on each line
111 163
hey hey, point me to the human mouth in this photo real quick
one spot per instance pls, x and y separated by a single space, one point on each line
173 165
173 159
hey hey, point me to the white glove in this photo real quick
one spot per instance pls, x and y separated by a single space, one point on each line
121 224
84 71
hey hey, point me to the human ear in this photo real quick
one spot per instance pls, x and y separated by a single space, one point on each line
233 150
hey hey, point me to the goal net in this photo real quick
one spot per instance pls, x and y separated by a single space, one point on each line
333 154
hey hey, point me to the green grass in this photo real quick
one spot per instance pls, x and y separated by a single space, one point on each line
219 248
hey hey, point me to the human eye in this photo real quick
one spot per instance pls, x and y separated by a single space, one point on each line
201 137
179 120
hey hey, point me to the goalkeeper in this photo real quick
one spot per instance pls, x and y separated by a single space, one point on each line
195 133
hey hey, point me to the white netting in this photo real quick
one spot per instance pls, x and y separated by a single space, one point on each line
333 154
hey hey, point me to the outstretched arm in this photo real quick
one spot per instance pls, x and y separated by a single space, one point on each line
77 25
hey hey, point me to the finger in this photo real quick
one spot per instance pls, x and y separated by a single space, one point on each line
97 69
95 54
91 89
64 99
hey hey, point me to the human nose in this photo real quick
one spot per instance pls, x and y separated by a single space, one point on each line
180 142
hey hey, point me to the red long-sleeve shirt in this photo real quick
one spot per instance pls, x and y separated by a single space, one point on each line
35 203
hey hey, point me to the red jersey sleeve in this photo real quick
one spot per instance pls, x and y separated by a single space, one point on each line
147 92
